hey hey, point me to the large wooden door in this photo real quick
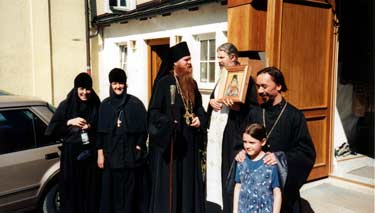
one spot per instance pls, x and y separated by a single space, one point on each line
303 48
299 39
157 49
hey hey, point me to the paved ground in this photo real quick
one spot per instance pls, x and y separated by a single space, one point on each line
333 195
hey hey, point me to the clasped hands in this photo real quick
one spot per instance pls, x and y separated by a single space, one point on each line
80 122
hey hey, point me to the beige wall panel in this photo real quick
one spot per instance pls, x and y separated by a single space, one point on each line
68 44
15 45
100 7
95 50
143 1
41 56
305 54
41 50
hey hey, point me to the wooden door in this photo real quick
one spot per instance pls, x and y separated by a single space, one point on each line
157 49
302 46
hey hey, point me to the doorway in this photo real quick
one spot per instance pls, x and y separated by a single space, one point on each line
354 134
157 52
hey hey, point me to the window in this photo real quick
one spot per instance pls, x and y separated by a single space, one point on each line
21 130
124 5
124 57
207 60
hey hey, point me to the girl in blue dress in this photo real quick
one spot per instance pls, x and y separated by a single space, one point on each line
257 188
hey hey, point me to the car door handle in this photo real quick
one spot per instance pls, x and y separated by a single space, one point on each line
52 155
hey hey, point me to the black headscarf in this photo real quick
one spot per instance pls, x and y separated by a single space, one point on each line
125 107
117 75
73 107
83 80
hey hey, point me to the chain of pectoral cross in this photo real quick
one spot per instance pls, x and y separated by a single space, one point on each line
274 124
187 104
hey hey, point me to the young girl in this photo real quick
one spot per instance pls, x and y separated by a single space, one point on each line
257 186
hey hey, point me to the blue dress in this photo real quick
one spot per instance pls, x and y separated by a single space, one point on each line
257 183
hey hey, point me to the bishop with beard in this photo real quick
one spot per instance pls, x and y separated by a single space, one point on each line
175 136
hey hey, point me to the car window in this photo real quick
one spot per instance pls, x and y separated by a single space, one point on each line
40 128
20 130
16 131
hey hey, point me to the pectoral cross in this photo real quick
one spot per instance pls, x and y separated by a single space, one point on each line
188 116
119 119
119 122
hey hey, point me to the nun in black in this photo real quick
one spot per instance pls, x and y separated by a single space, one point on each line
122 149
75 122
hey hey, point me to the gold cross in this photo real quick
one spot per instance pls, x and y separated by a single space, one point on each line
188 116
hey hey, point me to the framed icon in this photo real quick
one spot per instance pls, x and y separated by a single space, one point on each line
236 80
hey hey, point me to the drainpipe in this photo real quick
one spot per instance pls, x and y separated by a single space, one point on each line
88 56
51 53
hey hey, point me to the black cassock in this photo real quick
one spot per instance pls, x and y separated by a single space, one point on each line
291 136
79 182
187 176
122 126
232 142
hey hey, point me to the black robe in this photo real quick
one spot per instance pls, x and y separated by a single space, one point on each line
125 181
187 176
79 184
232 143
291 136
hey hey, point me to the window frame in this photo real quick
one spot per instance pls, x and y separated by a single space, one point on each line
198 39
123 63
116 4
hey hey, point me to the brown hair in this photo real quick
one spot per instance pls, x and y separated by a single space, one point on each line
256 131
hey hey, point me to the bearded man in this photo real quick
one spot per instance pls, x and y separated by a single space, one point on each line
287 134
175 136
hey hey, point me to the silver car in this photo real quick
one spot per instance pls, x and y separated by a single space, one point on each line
29 161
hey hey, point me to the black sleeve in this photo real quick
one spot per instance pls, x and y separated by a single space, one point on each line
251 99
159 121
102 127
200 112
301 156
57 127
100 140
142 117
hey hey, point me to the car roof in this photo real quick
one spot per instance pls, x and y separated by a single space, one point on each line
16 101
3 92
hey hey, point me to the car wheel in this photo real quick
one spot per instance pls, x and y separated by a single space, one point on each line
51 202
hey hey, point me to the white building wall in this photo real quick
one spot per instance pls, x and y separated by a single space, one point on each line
210 18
